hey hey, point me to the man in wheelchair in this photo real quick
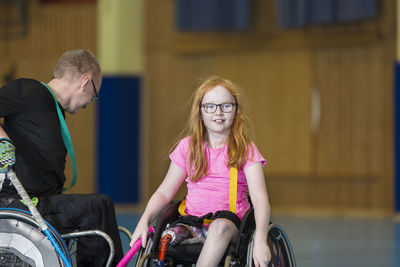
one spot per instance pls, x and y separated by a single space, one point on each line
220 163
35 137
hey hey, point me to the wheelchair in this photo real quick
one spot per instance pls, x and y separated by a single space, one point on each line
237 254
24 243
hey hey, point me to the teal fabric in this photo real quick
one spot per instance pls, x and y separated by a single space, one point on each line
67 140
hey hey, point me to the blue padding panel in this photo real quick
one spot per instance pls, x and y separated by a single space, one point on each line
302 13
354 10
209 15
118 138
397 136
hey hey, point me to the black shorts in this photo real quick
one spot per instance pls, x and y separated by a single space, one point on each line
198 221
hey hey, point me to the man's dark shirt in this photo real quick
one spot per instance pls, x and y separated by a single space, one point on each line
32 123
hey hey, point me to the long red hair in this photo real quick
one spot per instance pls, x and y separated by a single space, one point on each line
239 139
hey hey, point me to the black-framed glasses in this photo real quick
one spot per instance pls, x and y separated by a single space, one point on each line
211 108
96 95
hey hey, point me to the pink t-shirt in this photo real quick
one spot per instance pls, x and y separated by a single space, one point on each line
211 192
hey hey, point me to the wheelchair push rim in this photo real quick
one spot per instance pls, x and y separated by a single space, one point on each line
280 248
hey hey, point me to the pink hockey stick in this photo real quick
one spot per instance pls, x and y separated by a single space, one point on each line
133 250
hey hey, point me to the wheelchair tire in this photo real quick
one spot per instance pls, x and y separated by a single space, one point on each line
22 243
280 248
142 261
145 257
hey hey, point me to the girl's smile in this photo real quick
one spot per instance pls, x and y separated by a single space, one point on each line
219 121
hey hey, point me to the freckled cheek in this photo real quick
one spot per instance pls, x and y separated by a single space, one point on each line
207 121
231 119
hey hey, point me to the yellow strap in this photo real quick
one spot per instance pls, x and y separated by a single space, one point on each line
232 189
182 208
207 221
233 172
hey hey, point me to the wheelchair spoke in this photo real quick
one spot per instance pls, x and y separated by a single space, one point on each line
22 243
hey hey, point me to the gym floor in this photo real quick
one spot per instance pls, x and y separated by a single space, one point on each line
329 240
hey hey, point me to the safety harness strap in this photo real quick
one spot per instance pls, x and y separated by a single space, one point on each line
233 172
66 138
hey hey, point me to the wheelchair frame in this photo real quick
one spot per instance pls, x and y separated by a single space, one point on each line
33 223
239 254
21 235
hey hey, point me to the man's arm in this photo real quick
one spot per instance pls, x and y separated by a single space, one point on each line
7 152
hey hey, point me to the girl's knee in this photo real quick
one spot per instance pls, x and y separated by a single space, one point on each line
222 226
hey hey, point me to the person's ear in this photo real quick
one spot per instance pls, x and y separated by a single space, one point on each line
85 80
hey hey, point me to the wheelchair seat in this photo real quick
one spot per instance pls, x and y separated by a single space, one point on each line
237 254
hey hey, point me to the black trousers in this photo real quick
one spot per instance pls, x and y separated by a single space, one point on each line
70 212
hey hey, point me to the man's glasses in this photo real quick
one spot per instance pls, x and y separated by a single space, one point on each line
211 108
96 95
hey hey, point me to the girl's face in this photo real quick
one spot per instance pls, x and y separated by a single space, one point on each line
218 110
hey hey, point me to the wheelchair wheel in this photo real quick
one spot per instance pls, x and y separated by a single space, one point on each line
144 258
147 257
280 248
22 243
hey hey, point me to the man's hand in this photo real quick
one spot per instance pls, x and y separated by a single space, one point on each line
7 155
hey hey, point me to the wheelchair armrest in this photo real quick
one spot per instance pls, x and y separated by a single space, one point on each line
122 229
168 215
102 234
248 221
247 226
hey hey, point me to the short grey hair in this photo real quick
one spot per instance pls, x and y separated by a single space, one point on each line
80 61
